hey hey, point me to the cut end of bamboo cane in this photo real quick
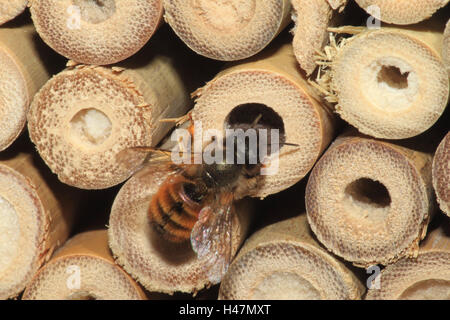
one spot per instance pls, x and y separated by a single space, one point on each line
282 261
311 19
160 266
226 31
81 119
389 84
367 202
96 32
424 278
441 174
83 273
403 11
20 209
9 9
284 105
279 272
14 99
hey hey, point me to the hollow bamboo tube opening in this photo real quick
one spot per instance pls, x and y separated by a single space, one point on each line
273 85
83 269
227 30
9 9
312 18
441 174
96 32
389 83
403 11
23 72
369 201
426 277
36 215
160 266
283 261
84 116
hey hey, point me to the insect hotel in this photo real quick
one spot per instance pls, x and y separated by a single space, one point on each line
231 150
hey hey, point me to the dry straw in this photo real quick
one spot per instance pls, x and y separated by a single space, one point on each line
312 19
283 261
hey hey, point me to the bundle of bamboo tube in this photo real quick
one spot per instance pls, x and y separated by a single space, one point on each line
230 30
9 9
283 261
426 277
96 32
84 116
24 67
83 269
270 85
369 201
37 214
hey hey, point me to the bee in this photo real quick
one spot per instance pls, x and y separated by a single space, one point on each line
195 203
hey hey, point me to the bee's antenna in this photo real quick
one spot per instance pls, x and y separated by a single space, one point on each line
255 122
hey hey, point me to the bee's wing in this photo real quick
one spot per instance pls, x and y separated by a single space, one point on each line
211 237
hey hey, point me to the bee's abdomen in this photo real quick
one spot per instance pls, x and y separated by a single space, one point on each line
171 212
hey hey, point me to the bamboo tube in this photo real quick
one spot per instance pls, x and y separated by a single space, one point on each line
404 11
84 116
96 32
9 9
283 261
446 46
160 266
87 257
441 174
227 31
426 277
389 83
36 217
312 18
369 201
271 85
23 72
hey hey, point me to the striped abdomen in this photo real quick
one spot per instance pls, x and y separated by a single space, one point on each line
172 212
